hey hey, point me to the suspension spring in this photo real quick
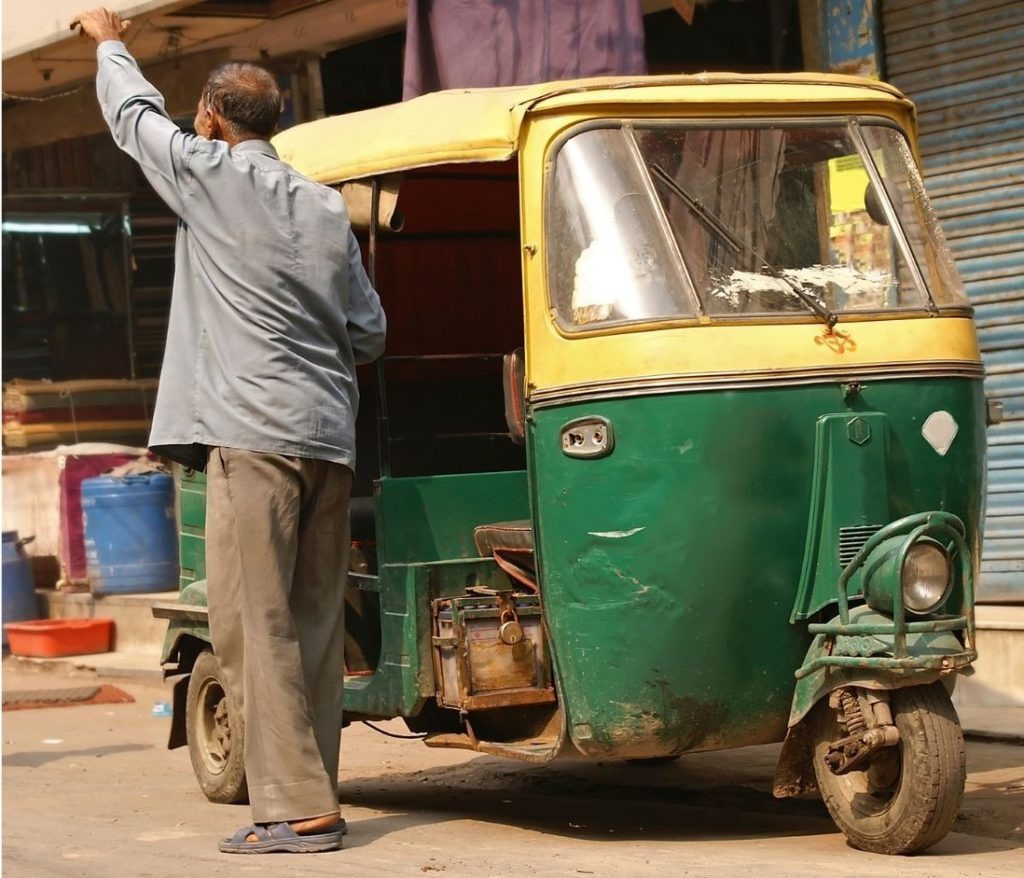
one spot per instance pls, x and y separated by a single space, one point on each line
852 716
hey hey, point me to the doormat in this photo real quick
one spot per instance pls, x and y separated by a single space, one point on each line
31 698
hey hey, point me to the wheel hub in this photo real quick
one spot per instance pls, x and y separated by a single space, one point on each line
216 727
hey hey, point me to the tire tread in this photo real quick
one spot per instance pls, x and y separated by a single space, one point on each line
229 788
928 813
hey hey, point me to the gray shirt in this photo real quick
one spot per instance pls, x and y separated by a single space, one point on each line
271 309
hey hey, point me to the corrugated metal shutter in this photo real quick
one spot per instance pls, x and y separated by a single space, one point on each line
962 63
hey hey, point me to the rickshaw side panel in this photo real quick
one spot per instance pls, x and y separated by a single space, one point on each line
431 518
191 486
670 567
425 545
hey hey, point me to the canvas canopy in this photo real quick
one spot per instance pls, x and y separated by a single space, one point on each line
474 125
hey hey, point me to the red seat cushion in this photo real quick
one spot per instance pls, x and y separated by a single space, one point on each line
512 536
511 545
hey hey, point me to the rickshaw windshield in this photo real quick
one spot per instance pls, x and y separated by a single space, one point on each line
652 221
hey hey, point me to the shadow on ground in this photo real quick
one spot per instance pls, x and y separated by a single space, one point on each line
612 802
37 758
583 801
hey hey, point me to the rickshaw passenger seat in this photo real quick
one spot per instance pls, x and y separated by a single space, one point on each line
510 543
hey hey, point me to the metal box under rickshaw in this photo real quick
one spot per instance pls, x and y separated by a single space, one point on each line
490 652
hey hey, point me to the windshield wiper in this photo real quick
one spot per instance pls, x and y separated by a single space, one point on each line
703 214
729 238
820 308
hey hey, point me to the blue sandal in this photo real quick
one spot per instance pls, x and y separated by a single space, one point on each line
280 838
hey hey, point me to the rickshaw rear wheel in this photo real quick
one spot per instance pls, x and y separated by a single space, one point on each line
907 797
215 734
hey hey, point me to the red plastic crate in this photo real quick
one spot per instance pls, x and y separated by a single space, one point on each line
49 638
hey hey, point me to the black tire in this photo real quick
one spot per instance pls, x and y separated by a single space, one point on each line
908 796
215 734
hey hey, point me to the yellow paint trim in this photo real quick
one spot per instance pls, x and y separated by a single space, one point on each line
556 361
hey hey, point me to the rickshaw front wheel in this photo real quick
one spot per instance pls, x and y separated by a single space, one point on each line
215 734
907 797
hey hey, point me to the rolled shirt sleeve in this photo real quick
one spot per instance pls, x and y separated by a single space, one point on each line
134 111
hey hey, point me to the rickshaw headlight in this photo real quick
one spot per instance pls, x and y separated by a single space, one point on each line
925 578
922 582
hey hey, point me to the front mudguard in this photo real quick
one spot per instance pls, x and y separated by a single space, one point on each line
187 620
188 634
931 656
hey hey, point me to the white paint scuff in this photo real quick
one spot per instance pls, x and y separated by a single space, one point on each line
615 534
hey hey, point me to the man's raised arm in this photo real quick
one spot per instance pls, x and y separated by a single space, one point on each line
134 111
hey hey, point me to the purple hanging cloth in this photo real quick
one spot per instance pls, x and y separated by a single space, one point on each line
480 43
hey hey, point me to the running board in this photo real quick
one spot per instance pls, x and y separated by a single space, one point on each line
535 750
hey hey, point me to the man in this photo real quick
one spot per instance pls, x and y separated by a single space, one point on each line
271 310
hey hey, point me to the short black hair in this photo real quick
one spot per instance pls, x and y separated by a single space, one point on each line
246 95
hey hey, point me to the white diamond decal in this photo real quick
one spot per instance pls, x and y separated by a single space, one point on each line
940 430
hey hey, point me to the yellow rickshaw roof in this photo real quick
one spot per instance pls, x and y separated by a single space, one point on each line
472 125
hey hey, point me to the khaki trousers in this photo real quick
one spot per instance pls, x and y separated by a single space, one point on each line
277 561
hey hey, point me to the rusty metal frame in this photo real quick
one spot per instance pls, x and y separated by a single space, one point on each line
459 640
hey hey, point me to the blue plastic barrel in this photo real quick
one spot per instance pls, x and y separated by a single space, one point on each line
131 539
19 593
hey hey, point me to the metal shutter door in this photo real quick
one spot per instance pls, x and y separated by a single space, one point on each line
962 63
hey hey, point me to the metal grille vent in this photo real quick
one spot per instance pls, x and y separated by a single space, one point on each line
852 540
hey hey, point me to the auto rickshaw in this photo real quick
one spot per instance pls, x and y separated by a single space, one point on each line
678 445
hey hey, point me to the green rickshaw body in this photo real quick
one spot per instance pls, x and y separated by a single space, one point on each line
705 465
750 393
670 567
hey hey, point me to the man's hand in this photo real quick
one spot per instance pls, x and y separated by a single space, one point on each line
100 24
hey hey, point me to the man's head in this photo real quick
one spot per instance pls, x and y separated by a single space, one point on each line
239 102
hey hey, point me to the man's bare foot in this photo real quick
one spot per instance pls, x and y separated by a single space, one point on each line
310 826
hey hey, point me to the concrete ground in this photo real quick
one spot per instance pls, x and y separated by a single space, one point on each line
93 791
